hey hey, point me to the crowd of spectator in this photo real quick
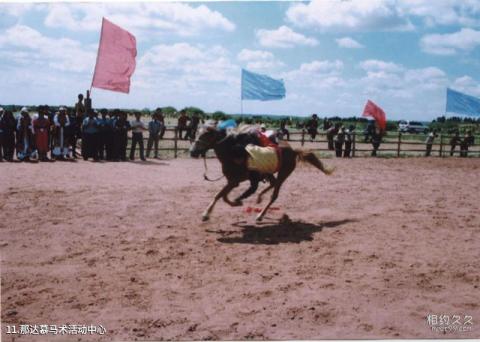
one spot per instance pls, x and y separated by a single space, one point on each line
104 134
48 135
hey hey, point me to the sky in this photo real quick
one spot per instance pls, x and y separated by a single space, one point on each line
333 55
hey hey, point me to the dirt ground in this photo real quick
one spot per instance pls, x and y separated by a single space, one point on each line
370 252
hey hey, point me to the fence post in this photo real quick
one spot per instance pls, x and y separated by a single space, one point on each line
303 136
354 144
175 142
399 143
441 145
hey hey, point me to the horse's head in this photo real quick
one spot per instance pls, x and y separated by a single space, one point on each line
207 138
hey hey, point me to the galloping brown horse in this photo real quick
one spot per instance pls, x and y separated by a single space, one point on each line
235 173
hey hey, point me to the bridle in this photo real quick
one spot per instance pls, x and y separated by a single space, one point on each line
205 177
205 145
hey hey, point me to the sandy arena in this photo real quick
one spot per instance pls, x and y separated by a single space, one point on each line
370 251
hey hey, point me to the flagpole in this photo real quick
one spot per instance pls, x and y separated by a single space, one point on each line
241 89
98 50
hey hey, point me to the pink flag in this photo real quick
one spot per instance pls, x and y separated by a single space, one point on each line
115 59
371 109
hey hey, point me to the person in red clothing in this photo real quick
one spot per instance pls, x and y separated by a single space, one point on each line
41 127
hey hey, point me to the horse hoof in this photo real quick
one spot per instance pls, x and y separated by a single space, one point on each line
205 218
237 203
259 200
259 218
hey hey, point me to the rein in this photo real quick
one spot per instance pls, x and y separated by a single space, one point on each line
206 169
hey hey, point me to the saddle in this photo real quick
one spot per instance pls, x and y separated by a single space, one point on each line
263 159
261 154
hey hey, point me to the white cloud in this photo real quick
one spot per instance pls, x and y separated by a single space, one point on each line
384 15
258 59
443 12
318 74
158 18
467 84
450 43
183 65
14 9
322 67
348 15
375 65
247 55
33 47
349 43
283 37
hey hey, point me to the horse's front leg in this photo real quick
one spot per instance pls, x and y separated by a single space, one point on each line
222 193
225 195
254 180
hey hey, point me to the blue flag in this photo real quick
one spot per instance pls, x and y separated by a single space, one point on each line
261 87
463 104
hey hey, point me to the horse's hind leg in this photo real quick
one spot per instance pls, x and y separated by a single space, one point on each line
272 180
282 176
226 189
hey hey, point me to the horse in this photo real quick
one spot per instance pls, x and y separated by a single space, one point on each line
226 147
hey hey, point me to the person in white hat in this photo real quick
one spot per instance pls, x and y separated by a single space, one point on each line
24 135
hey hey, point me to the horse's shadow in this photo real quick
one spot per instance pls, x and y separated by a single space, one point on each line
276 233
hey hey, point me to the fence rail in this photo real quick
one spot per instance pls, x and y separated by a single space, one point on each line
393 144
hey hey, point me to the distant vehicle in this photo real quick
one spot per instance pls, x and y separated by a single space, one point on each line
412 127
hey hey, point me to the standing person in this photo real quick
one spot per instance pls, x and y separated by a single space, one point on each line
348 141
429 142
79 117
60 139
331 132
283 132
454 141
182 124
90 131
121 126
105 136
326 124
161 119
7 127
71 130
192 127
376 136
369 131
25 142
339 141
50 114
467 141
154 128
41 128
137 136
312 127
2 112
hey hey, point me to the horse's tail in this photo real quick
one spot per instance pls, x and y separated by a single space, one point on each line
311 158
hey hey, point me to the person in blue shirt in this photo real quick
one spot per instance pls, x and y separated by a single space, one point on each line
105 137
90 129
154 129
121 126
